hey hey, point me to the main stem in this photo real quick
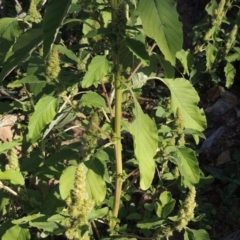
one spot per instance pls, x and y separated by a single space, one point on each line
118 144
117 126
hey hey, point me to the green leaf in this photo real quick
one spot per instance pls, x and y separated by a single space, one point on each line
45 111
27 79
145 145
191 234
70 54
134 216
233 57
160 22
63 118
61 156
211 7
169 70
5 201
166 204
27 218
185 97
89 29
23 47
150 223
96 186
36 67
53 202
13 176
16 233
186 59
9 31
138 80
92 99
188 166
56 218
211 53
138 49
46 226
97 69
230 73
66 182
53 19
126 57
98 213
8 145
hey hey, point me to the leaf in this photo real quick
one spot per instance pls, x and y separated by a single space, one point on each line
70 54
63 118
16 233
53 19
98 213
126 57
36 67
134 216
45 111
233 57
188 166
138 80
160 22
169 70
191 234
66 182
89 30
13 176
92 99
150 223
56 218
145 139
46 226
211 53
23 47
138 49
27 79
186 59
27 218
97 69
8 145
96 186
185 97
61 156
166 204
230 73
9 31
211 7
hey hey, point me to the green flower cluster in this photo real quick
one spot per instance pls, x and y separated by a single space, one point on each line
13 162
79 208
179 124
219 13
186 212
90 138
53 64
119 20
231 39
34 14
185 215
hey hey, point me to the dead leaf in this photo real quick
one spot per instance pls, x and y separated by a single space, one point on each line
6 127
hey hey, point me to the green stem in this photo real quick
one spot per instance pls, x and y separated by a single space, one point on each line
117 127
118 144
